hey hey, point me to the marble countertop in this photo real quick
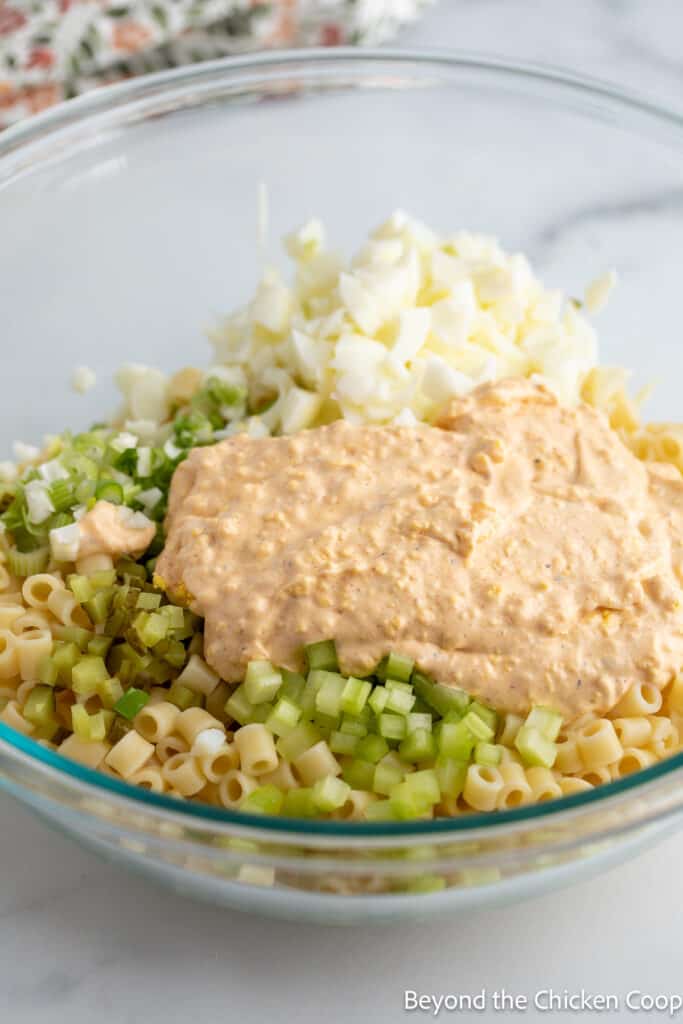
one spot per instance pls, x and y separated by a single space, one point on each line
80 941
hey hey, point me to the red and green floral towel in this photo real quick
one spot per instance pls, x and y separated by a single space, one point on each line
51 50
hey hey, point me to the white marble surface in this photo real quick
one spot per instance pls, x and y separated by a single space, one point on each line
80 941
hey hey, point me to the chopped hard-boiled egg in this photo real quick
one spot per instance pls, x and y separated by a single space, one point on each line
410 321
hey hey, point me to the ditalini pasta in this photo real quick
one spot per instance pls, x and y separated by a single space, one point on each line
110 663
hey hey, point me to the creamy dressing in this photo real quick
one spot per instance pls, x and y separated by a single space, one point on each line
517 550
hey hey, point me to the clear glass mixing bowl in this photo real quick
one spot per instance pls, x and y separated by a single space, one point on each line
129 221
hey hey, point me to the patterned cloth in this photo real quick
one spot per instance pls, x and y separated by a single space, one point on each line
51 50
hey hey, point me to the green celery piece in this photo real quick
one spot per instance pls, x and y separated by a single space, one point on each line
322 655
419 745
535 748
547 721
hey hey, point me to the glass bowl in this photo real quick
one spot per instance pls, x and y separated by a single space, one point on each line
130 221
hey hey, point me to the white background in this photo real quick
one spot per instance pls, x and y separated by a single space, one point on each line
83 942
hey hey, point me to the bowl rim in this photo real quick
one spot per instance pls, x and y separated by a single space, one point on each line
286 62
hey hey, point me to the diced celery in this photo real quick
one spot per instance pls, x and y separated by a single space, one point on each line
355 695
88 727
399 701
353 726
487 715
359 774
451 774
330 793
396 666
396 684
329 694
378 699
266 799
480 729
418 720
343 743
261 713
535 748
261 682
455 740
386 777
425 784
425 884
372 748
102 579
381 810
442 698
299 739
238 706
298 803
322 655
174 653
314 681
547 722
419 745
284 716
487 753
293 684
406 803
149 602
392 727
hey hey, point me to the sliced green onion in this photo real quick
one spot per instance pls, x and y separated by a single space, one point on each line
109 490
131 703
322 655
261 682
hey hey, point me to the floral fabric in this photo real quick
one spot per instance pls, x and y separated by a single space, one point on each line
51 50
